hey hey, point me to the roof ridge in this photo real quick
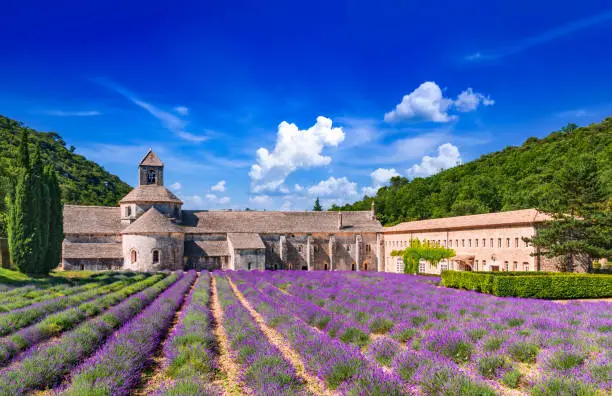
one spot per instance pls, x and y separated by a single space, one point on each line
91 206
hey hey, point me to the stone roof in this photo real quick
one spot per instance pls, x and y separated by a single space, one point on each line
277 222
102 220
92 250
206 248
150 193
152 222
511 218
150 159
245 240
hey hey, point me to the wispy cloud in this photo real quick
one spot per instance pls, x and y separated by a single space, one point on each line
62 113
170 121
545 37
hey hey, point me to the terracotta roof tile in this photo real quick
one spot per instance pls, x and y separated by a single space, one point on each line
150 193
515 217
151 159
92 220
277 222
245 240
92 250
152 222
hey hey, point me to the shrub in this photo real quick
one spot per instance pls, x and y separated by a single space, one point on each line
543 285
343 371
524 352
404 335
380 325
491 366
565 360
563 386
494 342
355 336
512 378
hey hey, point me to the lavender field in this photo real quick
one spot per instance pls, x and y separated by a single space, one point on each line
296 333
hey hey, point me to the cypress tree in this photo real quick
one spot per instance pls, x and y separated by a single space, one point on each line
56 227
21 227
40 214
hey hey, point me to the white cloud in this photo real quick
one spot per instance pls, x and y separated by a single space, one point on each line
182 110
192 202
62 113
298 188
448 156
334 188
427 103
262 201
176 186
382 176
217 200
283 189
370 191
469 100
294 149
287 205
220 186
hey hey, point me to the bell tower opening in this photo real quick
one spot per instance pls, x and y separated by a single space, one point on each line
151 170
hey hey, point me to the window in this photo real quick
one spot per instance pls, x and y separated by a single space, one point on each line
450 243
491 243
515 264
506 266
484 264
526 243
249 265
484 243
399 265
353 267
507 242
525 267
300 248
155 256
498 242
151 176
348 247
463 243
476 240
422 267
368 248
476 265
326 267
457 242
516 242
133 256
316 248
128 211
444 265
365 266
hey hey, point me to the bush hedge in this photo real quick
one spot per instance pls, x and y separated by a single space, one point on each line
552 285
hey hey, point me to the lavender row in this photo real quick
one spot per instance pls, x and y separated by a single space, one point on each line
340 365
116 367
15 320
57 323
264 369
191 350
488 336
43 366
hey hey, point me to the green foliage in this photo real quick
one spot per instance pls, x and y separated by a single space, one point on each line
533 175
380 325
418 251
491 366
56 223
563 387
512 378
80 181
317 206
355 336
523 352
532 284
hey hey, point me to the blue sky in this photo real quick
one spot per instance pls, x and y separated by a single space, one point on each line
269 105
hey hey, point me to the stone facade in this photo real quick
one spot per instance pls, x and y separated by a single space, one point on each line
149 231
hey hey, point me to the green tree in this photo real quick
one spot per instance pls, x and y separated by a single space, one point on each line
317 206
21 222
39 210
56 227
580 229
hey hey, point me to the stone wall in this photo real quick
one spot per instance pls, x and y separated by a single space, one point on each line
5 258
92 264
92 238
249 259
170 246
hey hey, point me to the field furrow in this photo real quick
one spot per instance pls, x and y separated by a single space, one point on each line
44 366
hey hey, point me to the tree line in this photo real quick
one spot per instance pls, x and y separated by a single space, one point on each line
34 213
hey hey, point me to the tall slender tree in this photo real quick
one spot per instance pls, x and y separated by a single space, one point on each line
317 206
21 224
56 228
40 211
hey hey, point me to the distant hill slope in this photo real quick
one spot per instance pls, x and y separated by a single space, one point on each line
82 181
514 178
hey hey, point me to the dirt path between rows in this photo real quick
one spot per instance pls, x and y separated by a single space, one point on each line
230 384
313 384
155 376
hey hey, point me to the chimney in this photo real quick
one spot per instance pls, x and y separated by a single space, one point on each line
372 212
339 220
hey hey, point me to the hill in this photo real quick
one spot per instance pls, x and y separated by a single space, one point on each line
513 178
82 181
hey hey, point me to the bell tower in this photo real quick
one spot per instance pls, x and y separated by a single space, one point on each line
150 170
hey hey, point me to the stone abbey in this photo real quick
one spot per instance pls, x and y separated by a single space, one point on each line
150 231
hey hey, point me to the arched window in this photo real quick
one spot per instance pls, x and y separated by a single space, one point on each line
353 267
365 267
133 256
151 176
128 211
155 256
249 266
325 267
